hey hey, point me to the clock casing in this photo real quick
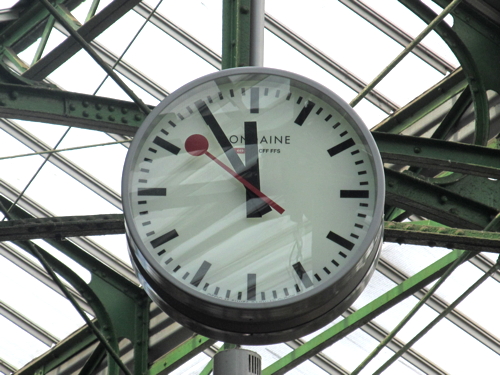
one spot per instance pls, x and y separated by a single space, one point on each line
272 227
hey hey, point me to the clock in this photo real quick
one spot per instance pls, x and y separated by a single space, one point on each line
253 202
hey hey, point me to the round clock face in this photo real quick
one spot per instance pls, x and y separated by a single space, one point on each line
249 193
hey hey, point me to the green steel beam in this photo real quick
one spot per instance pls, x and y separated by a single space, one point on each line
436 203
236 33
68 108
438 154
180 355
451 238
361 316
430 100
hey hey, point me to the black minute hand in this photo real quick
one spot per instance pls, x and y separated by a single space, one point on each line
233 157
256 207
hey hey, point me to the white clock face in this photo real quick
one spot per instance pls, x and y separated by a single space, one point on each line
252 189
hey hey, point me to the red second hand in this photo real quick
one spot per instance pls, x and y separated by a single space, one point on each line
197 145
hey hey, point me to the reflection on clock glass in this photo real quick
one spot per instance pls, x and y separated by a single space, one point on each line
252 189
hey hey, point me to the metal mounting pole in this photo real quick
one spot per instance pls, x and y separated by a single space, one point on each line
237 362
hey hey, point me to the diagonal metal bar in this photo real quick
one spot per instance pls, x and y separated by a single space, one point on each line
405 52
95 56
363 315
35 270
436 203
381 23
89 31
63 163
325 62
428 102
6 368
27 325
183 37
438 154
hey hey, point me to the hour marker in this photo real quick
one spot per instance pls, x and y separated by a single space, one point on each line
359 162
143 181
153 150
217 291
231 92
277 94
297 289
161 252
209 98
328 117
142 202
319 110
239 296
168 260
342 254
177 268
220 96
228 293
334 262
143 213
355 152
164 238
337 124
164 131
343 133
317 277
166 145
361 173
358 225
354 194
340 240
266 92
363 204
363 183
243 91
286 291
144 170
341 147
301 273
147 160
251 286
299 100
205 287
185 276
200 274
289 96
149 234
304 113
254 100
172 123
151 192
180 116
361 215
275 295
263 295
189 109
326 270
354 236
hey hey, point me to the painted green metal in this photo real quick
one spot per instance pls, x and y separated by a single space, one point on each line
436 320
435 203
439 236
421 106
363 315
83 43
405 52
43 40
181 354
411 314
451 119
438 154
66 108
92 10
469 64
236 33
